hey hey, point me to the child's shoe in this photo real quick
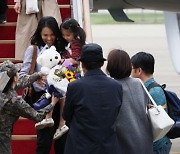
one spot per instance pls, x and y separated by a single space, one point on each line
45 123
60 132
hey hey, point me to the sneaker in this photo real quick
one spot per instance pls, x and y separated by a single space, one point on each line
3 22
60 132
3 18
45 123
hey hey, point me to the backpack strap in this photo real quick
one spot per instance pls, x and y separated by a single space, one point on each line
152 85
155 84
34 57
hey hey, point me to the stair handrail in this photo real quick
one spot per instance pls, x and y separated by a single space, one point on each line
76 11
81 12
87 21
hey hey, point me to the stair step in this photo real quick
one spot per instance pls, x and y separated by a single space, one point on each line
10 32
11 2
65 6
24 147
24 137
20 127
7 50
8 24
11 59
12 15
60 6
63 1
7 41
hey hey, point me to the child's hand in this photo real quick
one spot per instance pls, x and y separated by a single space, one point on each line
54 100
41 82
62 61
17 7
73 61
41 75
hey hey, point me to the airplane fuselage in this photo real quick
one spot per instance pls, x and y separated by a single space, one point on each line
163 5
172 18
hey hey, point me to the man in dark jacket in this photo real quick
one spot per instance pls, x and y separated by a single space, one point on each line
91 107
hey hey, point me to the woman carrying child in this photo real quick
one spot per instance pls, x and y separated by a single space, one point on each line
46 35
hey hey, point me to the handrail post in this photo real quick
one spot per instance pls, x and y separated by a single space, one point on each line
87 21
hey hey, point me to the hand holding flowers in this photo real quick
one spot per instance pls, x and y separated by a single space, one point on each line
61 75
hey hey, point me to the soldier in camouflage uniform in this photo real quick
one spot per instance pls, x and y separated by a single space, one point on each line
12 106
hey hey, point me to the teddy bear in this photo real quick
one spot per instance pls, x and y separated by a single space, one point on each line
49 61
58 75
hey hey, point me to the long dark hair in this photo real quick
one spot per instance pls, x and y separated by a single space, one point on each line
73 26
52 24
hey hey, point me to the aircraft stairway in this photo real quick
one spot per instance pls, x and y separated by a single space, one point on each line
24 132
7 31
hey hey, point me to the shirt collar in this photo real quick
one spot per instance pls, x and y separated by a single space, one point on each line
148 82
42 49
94 72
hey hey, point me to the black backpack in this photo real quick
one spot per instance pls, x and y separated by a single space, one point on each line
173 103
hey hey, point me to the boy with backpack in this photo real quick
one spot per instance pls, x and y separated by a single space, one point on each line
143 68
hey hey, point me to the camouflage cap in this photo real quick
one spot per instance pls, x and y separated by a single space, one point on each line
10 68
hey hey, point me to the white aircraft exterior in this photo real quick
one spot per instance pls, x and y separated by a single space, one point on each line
171 10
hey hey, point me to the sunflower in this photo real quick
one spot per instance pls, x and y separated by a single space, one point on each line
69 74
72 79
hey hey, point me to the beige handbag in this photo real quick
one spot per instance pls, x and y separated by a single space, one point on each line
161 122
31 6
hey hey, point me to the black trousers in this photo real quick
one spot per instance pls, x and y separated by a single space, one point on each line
44 140
45 136
59 145
3 6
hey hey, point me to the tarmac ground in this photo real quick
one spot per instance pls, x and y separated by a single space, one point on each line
149 38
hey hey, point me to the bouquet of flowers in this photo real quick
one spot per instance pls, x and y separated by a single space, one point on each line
61 75
68 71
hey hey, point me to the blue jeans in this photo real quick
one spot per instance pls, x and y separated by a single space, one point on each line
165 149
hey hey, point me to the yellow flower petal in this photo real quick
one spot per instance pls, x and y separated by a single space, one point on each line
69 75
71 80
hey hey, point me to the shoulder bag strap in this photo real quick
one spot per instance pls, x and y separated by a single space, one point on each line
150 97
34 57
